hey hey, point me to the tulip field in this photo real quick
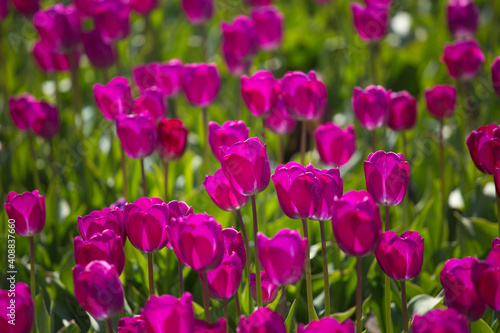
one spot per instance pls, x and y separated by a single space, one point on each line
250 166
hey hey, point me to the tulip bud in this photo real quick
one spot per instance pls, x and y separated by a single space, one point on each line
259 92
105 246
226 135
100 54
233 243
28 210
115 98
439 320
402 111
49 61
25 7
269 27
335 145
132 325
161 314
201 83
279 121
201 326
283 256
20 110
143 7
484 148
239 39
269 290
172 139
262 320
371 22
463 17
371 106
327 325
463 59
112 19
198 11
441 101
23 309
137 134
100 220
495 75
222 193
151 100
304 95
224 280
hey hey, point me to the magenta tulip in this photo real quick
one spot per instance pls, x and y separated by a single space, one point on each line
239 38
235 65
166 76
105 246
259 92
201 83
224 280
278 120
441 101
304 95
137 134
331 187
371 106
463 59
257 3
172 139
459 291
233 243
378 3
112 19
143 7
28 211
99 53
201 326
496 178
26 7
335 145
226 135
327 325
198 11
269 27
132 325
222 192
484 148
371 22
439 320
44 120
114 98
100 220
84 7
402 111
485 276
283 256
20 110
495 75
269 289
49 61
262 320
167 313
179 208
152 101
463 17
21 312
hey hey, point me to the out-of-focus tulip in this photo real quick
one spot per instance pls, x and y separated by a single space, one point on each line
132 325
463 17
262 320
98 289
331 186
20 110
371 106
239 39
485 276
459 291
167 313
201 326
100 220
198 11
278 120
114 98
172 139
441 100
224 280
137 133
201 83
226 135
258 3
50 61
233 243
151 100
335 145
143 7
484 148
269 27
166 76
283 256
26 7
269 289
356 223
371 22
439 320
378 3
145 223
118 204
197 241
304 95
21 311
495 75
100 54
327 325
112 19
28 210
402 111
222 192
463 59
387 176
246 166
235 65
259 92
84 7
44 120
105 246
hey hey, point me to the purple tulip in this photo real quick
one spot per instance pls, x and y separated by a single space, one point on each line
201 83
495 75
258 3
378 3
21 312
278 120
371 106
198 11
439 320
233 243
496 178
235 65
356 223
137 134
105 246
239 38
262 320
84 7
44 120
132 325
226 135
118 204
283 256
201 326
100 220
484 148
224 280
49 61
167 313
269 27
304 95
145 222
26 7
143 7
197 241
259 92
179 208
166 76
371 22
112 19
331 186
100 54
441 101
402 111
463 59
269 289
4 9
459 291
327 325
222 193
152 101
463 17
20 110
28 210
485 276
115 98
246 166
98 289
172 139
335 145
387 176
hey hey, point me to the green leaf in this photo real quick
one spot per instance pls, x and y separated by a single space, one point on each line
42 315
480 326
289 318
71 327
421 304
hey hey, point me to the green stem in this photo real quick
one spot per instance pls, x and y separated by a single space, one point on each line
373 62
238 308
282 305
441 172
263 130
105 75
326 279
405 306
77 97
32 278
359 295
181 277
374 137
204 44
405 151
150 273
310 305
387 218
124 171
256 248
388 304
281 149
303 138
206 301
468 109
143 177
109 326
36 176
224 306
206 147
247 250
118 65
165 173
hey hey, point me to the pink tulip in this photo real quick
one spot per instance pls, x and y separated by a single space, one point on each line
495 75
49 61
484 148
20 110
222 193
262 320
224 280
239 44
304 95
151 101
371 22
485 276
440 320
257 3
28 210
235 65
201 326
269 27
179 208
198 11
132 325
402 111
143 7
463 17
233 243
100 54
335 145
44 120
463 59
172 139
201 83
228 134
115 98
26 7
167 313
269 289
441 101
112 19
496 178
137 134
327 325
259 92
100 220
331 187
278 120
21 312
166 76
371 106
105 246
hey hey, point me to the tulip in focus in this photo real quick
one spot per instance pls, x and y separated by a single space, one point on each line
100 220
439 320
198 11
331 187
402 111
224 280
278 120
201 83
335 145
114 98
228 134
441 100
172 139
484 148
269 289
164 313
222 193
371 106
233 243
260 92
201 326
105 246
23 309
269 27
371 22
132 325
137 134
304 95
262 320
28 210
327 325
463 17
463 59
485 276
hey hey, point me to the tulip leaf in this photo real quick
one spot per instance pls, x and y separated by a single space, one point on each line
480 326
289 318
71 327
421 304
341 316
42 315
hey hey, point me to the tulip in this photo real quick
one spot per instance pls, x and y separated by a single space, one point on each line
262 320
485 276
278 120
233 243
463 17
143 7
201 326
222 193
496 178
98 289
439 320
172 139
19 109
235 65
137 133
151 100
371 22
105 246
100 54
459 291
228 134
179 208
28 211
258 3
4 10
224 280
495 75
145 76
84 7
335 145
48 60
100 220
371 106
114 99
166 76
269 27
44 120
239 39
26 7
269 289
132 325
441 100
327 325
484 148
112 19
201 83
23 311
304 95
463 59
198 11
402 111
259 92
378 3
118 204
164 313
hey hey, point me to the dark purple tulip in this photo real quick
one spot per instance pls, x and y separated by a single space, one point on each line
387 176
20 110
279 121
463 17
283 256
485 276
105 246
484 148
257 3
402 111
166 76
496 178
98 289
459 291
327 325
145 222
269 27
112 19
100 220
439 320
50 61
259 92
44 120
222 192
371 106
201 326
224 280
356 223
262 320
143 7
246 166
463 59
137 134
4 9
197 241
371 22
21 311
151 101
304 95
132 325
235 65
335 145
233 243
172 139
100 54
238 38
226 135
169 314
269 289
26 7
198 11
114 98
331 186
201 83
28 210
84 7
441 100
495 75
